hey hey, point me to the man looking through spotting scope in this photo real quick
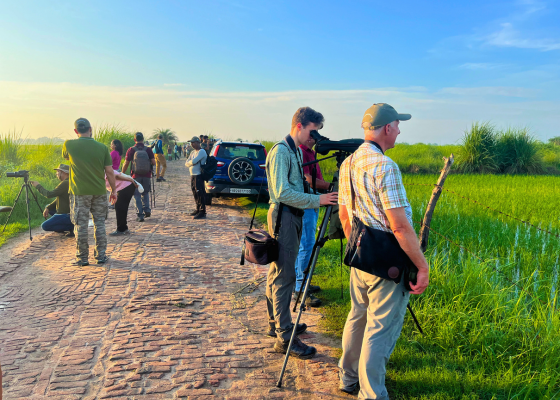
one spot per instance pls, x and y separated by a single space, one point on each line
309 222
288 199
378 305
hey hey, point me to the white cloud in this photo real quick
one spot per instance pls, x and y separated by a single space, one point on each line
49 109
481 66
508 36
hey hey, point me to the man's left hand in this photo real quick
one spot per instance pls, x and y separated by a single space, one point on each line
34 183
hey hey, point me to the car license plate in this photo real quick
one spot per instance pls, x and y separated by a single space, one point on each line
243 191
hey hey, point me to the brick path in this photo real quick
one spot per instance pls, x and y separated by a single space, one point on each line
160 321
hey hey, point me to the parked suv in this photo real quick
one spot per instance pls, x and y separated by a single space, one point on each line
241 170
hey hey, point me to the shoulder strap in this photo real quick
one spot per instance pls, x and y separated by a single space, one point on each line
278 220
353 193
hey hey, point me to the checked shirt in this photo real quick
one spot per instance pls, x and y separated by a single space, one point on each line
377 184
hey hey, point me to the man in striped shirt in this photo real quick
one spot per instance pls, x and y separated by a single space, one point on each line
378 305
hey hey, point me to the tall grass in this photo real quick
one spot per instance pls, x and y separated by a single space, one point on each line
477 153
518 152
107 133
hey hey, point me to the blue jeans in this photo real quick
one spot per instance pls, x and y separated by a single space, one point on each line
309 222
58 223
143 199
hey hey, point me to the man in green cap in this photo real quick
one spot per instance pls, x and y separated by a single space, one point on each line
89 162
59 209
378 305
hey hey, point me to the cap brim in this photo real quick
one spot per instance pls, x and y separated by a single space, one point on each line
404 117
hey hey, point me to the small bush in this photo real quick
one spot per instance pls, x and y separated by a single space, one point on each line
518 152
477 153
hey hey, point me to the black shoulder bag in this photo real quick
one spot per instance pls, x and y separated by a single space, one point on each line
258 246
377 252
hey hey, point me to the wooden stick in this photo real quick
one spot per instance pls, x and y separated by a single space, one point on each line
425 230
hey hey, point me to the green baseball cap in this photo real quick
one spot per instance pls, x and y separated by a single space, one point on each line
195 139
381 114
81 124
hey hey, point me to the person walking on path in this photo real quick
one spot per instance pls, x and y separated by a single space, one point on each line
89 162
161 164
59 210
141 160
289 198
309 223
176 151
196 159
126 186
378 305
116 154
169 152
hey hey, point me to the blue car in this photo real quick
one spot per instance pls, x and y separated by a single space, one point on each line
241 170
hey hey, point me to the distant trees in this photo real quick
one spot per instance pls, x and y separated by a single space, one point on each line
168 135
555 140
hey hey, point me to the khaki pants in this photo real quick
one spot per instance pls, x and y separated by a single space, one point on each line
81 206
372 328
282 273
160 163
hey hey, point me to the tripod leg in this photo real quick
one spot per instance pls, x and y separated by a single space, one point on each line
28 214
13 208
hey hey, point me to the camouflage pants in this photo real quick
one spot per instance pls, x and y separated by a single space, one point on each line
80 208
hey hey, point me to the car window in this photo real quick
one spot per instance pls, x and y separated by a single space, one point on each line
231 151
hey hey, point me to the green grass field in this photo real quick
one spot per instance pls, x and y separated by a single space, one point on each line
486 338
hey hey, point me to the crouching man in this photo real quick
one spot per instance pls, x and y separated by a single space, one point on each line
59 209
288 198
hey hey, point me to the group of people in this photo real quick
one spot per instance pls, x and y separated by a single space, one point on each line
91 172
371 190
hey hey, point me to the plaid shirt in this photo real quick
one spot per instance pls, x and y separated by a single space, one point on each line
377 185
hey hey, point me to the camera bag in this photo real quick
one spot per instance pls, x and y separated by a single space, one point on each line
377 252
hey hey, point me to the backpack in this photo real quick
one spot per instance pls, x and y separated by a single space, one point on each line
209 169
141 162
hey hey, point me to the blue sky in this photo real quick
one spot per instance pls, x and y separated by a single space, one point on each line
243 67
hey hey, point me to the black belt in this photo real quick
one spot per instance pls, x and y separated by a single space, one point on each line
298 212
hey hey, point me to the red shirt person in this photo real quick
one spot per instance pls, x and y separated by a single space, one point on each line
308 156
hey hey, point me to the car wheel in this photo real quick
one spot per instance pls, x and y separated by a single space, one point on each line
242 171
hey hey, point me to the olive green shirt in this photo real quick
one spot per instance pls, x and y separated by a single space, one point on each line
62 203
285 178
87 159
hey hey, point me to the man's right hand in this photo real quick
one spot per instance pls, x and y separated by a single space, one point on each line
329 199
422 281
46 213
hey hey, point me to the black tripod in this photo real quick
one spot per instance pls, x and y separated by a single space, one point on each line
28 190
153 197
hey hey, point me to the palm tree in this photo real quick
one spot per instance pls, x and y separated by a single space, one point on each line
168 135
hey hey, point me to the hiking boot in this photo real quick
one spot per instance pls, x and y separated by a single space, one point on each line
159 180
314 289
299 349
139 219
311 300
162 179
200 215
301 328
147 215
70 234
350 389
81 263
117 233
102 260
194 213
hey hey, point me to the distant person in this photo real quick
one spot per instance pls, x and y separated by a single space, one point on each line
126 186
196 159
116 154
169 152
176 151
89 162
203 142
161 164
59 210
141 160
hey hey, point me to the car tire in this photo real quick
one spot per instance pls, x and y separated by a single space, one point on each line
242 171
